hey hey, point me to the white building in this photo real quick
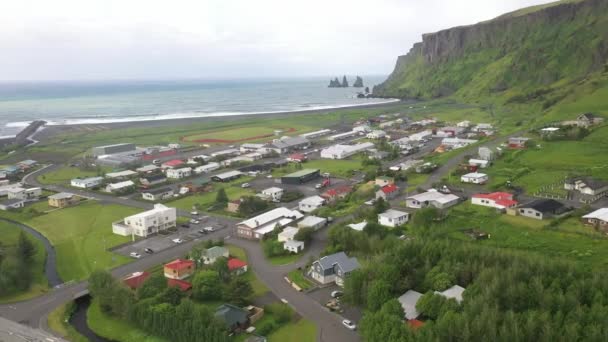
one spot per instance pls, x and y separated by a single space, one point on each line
393 218
481 163
6 187
403 142
86 183
483 127
421 135
457 142
345 151
362 129
455 292
246 148
258 226
358 226
464 124
316 134
146 223
157 194
29 194
207 168
376 134
113 187
344 135
293 246
474 178
179 173
432 198
311 203
408 302
313 222
287 234
273 194
121 174
196 159
225 153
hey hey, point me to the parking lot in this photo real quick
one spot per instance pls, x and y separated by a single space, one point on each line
323 295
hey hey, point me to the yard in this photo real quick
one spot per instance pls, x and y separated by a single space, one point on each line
207 199
64 174
300 331
338 168
9 235
81 236
284 259
299 279
245 134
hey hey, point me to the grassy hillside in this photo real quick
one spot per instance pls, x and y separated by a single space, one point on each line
536 55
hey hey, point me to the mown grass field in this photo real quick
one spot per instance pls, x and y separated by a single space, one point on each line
81 235
9 235
64 174
248 133
338 168
207 199
300 331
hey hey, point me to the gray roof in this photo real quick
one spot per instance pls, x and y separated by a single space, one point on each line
408 302
61 195
591 183
340 260
216 252
231 315
12 201
290 142
158 191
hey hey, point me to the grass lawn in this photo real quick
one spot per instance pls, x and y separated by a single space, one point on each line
339 168
207 199
58 322
300 331
115 329
259 288
64 174
9 235
81 235
297 277
284 259
254 132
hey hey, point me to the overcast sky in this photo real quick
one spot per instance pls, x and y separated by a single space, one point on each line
162 39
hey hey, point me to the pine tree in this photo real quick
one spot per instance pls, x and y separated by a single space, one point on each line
25 248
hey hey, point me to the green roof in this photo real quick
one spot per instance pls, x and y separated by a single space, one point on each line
302 173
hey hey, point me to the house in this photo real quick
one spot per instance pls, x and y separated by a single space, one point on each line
227 176
237 266
316 134
179 269
225 153
384 181
248 147
362 129
587 186
198 185
474 178
234 206
179 173
289 144
273 194
376 134
182 285
13 203
333 268
455 292
427 167
287 234
293 246
147 169
517 142
212 254
152 180
344 135
310 204
598 219
393 218
485 153
336 193
258 226
358 226
171 164
498 200
234 318
344 151
432 198
464 124
387 192
29 194
449 132
297 157
483 127
212 166
27 164
301 176
157 194
6 187
547 131
120 186
148 222
121 174
455 143
542 208
113 149
588 119
86 183
408 302
313 222
402 143
62 199
411 163
11 170
480 163
424 135
136 279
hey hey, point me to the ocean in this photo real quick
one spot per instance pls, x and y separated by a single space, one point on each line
61 103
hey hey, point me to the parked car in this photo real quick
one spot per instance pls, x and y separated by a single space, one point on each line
193 221
318 186
135 255
349 325
336 294
209 229
202 231
148 250
184 225
245 185
156 162
178 240
269 176
195 213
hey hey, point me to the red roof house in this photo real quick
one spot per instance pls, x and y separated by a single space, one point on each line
415 324
387 192
297 157
181 284
172 163
498 200
136 279
337 193
179 269
237 266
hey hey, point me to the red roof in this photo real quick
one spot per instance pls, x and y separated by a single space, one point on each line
235 264
387 189
337 191
182 284
297 156
180 264
136 279
501 198
415 324
174 162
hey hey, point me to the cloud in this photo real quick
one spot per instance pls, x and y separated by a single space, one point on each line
75 39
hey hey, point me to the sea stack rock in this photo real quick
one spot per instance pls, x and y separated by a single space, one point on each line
335 83
358 82
344 82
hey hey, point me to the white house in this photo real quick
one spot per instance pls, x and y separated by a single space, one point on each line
313 222
481 163
258 226
358 226
210 255
311 203
195 159
464 124
113 187
29 194
421 135
273 194
207 168
497 200
393 218
376 134
483 127
157 194
344 151
287 234
248 147
86 183
432 198
149 222
121 174
293 246
474 178
457 142
179 173
341 136
455 292
362 129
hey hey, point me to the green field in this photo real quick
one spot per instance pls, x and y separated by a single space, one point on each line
207 199
245 132
64 174
57 321
81 235
9 235
338 168
300 331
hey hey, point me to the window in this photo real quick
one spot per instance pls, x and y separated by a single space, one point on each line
537 214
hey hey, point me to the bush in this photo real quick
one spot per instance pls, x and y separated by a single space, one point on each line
266 327
282 312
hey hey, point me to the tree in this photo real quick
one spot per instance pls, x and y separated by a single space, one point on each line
380 206
393 307
221 197
238 291
251 205
101 286
221 267
25 248
206 285
424 217
172 295
379 293
154 285
304 234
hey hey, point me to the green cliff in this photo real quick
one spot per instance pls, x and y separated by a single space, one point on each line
540 52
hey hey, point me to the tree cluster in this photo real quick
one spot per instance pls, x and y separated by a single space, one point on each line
251 205
16 270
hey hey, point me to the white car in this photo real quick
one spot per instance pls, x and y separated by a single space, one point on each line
349 325
209 229
177 240
318 186
269 176
135 255
245 185
193 221
195 213
336 294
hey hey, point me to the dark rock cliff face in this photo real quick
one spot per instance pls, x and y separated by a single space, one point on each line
526 36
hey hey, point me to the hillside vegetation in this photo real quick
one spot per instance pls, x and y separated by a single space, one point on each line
539 55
